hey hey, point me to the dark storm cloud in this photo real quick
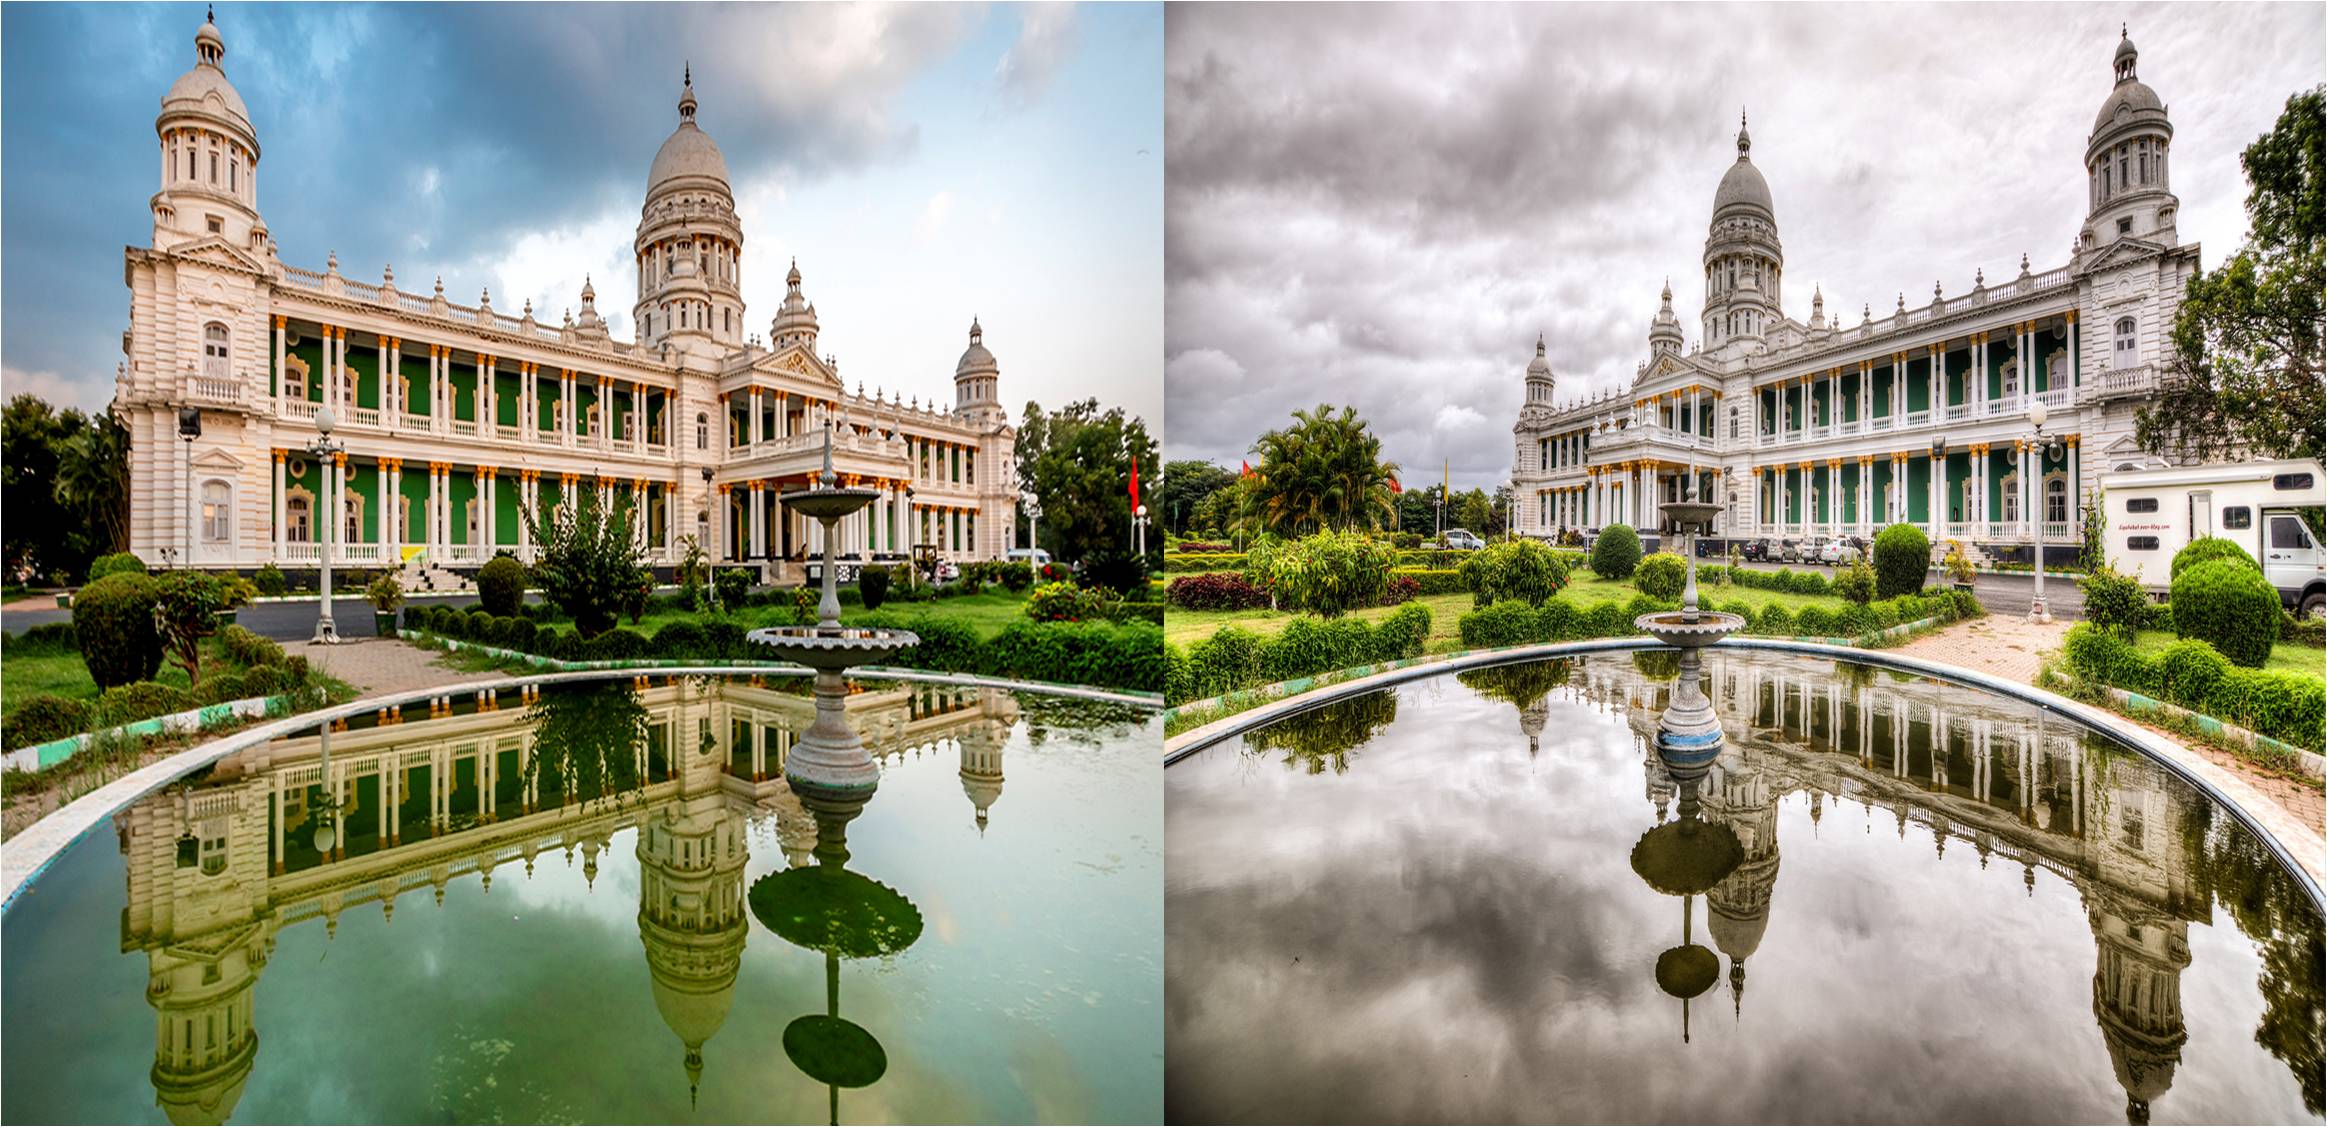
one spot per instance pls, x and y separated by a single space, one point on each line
1384 205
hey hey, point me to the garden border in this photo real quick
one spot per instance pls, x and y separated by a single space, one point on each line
2137 740
32 757
31 852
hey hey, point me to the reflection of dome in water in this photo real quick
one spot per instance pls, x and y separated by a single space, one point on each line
691 921
206 1095
1531 721
2137 998
1737 909
981 771
1686 856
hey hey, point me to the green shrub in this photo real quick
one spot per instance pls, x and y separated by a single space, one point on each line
1507 623
515 632
270 581
731 584
2310 632
1179 675
1404 634
1431 581
1064 602
2114 601
2228 603
1856 620
385 594
1856 582
618 644
1607 620
1814 622
1082 653
221 687
1017 575
2287 707
1513 569
1228 660
2207 549
265 681
501 585
1902 560
1775 622
43 717
1661 576
682 640
872 584
295 668
1616 553
118 563
114 619
1326 574
245 648
138 700
2189 670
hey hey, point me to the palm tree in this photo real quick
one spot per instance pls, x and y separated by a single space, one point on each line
93 478
1322 472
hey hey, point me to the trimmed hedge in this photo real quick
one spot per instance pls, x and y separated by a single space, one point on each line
1513 623
1661 576
2114 601
1616 552
2287 707
117 563
501 585
2207 549
114 620
1902 560
1234 659
245 648
2228 603
123 704
1215 591
44 717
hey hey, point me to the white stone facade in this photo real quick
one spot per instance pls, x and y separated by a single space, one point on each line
1804 428
459 419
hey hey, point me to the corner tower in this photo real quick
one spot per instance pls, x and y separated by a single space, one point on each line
210 156
689 244
2126 166
1744 265
977 381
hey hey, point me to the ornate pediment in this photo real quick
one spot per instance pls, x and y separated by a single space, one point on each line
799 361
216 458
215 251
2122 252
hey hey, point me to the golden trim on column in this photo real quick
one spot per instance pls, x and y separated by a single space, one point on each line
281 455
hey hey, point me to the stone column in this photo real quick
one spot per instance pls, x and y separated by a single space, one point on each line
282 374
758 548
391 504
337 477
758 428
281 504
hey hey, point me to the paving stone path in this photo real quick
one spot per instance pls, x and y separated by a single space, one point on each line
381 665
2010 646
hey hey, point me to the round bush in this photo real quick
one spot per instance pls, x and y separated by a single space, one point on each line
122 704
2207 549
220 687
2114 601
44 717
1616 553
2188 670
1902 559
1514 569
872 586
681 639
270 580
2228 603
1063 602
119 563
1661 576
618 644
1815 622
114 619
501 585
1775 622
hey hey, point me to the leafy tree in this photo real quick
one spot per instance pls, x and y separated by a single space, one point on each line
93 482
1324 471
39 535
1077 463
186 606
2246 368
1184 488
589 561
1472 510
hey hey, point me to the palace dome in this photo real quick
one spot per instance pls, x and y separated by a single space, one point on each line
688 152
2131 95
975 358
1742 186
205 89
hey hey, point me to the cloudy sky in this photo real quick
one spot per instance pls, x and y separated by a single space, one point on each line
926 165
1384 205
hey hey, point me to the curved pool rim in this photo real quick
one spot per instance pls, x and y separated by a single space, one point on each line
27 855
2118 730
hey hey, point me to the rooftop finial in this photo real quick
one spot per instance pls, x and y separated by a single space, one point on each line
209 14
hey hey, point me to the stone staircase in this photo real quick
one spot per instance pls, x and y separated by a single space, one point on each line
419 576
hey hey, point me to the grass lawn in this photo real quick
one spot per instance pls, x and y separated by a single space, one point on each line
2285 657
986 612
65 675
1187 627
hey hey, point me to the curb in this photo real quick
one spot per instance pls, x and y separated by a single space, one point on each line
35 756
2134 704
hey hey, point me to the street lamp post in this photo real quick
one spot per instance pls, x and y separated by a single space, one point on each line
1139 531
2037 445
324 449
189 429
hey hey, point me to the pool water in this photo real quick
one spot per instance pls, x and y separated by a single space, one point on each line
1485 897
557 910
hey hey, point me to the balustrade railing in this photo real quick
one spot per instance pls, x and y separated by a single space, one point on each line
1957 412
1918 418
2057 531
298 408
467 427
363 416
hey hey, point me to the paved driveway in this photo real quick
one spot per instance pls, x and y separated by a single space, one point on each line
2000 592
286 622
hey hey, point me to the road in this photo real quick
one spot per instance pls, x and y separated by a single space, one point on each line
1999 592
284 622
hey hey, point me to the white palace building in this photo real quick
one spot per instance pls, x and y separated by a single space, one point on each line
1825 428
457 420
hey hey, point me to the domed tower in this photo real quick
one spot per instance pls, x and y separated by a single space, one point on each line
1737 909
1664 333
689 244
205 1044
1744 265
981 769
210 156
2126 167
1540 382
977 380
692 918
2137 994
795 323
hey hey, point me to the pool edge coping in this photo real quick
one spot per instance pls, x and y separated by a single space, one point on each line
2215 783
26 856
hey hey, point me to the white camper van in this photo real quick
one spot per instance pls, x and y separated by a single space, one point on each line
2259 505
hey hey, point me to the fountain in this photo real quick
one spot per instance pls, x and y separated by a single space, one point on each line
1689 733
829 757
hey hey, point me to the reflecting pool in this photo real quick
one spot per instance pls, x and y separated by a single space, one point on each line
604 903
1488 897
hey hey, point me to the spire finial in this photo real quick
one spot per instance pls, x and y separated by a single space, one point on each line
209 14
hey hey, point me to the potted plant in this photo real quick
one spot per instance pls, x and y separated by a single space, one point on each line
1960 573
385 595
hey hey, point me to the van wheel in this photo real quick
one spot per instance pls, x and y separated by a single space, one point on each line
2314 605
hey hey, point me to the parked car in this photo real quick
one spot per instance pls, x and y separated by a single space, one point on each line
1756 550
1461 538
1786 550
1034 556
1842 551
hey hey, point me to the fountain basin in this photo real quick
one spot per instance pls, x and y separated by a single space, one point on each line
832 649
1673 627
827 504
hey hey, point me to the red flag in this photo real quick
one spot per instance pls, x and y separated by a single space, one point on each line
1395 487
1247 472
1135 482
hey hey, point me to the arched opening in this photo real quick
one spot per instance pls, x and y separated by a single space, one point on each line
2126 352
217 511
215 352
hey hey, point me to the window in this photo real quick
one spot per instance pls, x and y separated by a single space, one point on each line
216 506
214 167
2238 516
302 529
2287 532
2056 500
234 176
2141 543
2141 505
216 225
215 355
2125 226
2291 481
702 431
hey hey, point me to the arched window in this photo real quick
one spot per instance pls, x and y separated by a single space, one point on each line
702 431
2011 487
215 353
2056 500
217 507
2126 353
297 510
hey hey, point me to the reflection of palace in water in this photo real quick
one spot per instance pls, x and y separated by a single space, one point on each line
2014 787
217 868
